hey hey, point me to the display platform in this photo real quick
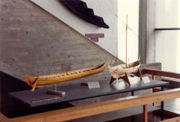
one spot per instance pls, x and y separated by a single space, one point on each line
78 92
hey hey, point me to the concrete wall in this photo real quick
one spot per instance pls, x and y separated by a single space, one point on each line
106 9
168 42
33 41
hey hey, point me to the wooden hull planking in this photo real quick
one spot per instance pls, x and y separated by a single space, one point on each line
45 80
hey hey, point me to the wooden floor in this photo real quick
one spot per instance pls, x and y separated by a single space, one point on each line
152 117
173 105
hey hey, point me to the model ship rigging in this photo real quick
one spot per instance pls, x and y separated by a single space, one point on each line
124 70
40 81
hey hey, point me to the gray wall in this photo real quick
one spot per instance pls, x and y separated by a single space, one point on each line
35 42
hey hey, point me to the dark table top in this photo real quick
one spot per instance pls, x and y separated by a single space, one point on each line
77 92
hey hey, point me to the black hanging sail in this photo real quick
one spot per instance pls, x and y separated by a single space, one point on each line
80 9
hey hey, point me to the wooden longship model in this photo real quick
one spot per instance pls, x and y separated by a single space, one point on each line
124 70
40 81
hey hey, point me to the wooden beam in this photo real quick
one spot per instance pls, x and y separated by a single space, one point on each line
98 108
160 73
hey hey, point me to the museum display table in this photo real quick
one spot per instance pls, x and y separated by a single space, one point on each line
78 92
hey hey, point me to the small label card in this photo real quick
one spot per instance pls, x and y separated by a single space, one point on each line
146 79
91 85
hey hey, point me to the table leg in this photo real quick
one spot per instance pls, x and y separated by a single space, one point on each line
162 106
132 93
145 113
132 117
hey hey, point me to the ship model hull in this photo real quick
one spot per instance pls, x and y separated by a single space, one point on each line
40 81
124 70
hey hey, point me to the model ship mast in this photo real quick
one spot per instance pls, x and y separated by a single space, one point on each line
124 70
126 37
